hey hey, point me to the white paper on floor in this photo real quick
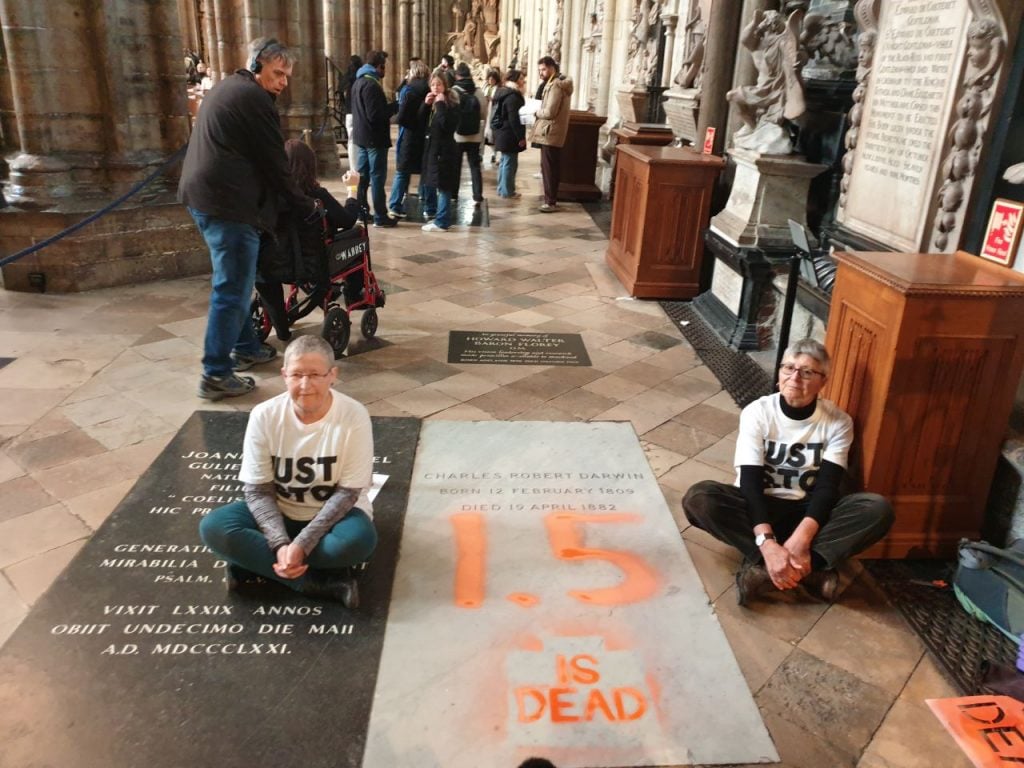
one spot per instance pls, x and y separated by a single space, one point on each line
544 604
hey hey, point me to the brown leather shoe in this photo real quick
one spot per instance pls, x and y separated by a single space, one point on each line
751 581
823 585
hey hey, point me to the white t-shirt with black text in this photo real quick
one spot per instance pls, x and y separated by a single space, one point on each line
307 461
791 451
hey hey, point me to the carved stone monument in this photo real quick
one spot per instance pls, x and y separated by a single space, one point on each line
928 77
682 100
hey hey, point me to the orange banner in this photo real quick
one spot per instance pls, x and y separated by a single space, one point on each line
989 729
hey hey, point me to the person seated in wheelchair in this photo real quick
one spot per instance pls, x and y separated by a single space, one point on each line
295 252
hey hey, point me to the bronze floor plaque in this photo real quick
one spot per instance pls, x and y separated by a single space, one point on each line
513 348
138 656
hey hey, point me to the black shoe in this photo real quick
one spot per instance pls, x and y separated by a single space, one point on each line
340 589
235 576
751 581
385 222
823 585
218 387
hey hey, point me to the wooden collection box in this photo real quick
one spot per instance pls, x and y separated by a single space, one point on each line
927 352
661 209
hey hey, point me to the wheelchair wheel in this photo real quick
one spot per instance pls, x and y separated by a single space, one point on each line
260 319
368 325
337 329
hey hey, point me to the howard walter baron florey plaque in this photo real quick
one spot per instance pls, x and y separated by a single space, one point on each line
512 348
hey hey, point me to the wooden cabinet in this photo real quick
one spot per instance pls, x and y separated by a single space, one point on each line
661 209
927 352
578 161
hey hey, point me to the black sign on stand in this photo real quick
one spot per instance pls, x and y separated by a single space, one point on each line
511 348
138 656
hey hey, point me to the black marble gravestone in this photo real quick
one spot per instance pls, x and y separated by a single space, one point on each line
138 656
514 348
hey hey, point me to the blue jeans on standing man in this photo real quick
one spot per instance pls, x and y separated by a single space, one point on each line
234 249
399 189
437 205
372 167
507 167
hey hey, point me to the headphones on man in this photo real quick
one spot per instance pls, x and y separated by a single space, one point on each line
256 66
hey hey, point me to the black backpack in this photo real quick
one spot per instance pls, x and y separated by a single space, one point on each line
469 114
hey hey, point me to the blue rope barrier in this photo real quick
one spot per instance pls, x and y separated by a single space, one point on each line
94 216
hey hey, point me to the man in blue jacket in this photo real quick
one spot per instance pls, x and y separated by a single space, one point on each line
234 173
371 133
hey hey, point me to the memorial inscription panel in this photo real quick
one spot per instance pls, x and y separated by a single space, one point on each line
138 656
544 604
907 115
514 348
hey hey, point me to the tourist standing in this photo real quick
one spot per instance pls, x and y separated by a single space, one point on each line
234 173
551 127
467 131
493 83
371 134
508 130
439 115
411 137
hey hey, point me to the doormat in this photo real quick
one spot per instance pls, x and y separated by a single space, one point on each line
513 348
958 642
545 605
739 375
137 655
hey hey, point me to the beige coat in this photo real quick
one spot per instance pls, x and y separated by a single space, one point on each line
552 118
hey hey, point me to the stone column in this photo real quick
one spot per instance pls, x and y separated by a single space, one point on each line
607 52
669 20
417 31
405 49
719 57
358 26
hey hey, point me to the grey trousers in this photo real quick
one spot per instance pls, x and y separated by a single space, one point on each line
856 522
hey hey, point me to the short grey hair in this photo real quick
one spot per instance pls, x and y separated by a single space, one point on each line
309 345
266 49
811 348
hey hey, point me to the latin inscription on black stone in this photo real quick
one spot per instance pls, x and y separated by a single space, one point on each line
509 348
138 656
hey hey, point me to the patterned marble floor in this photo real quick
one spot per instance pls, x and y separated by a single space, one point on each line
101 381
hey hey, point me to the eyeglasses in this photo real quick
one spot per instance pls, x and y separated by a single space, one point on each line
788 369
310 376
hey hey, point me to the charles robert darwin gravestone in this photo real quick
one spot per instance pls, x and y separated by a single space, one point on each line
929 78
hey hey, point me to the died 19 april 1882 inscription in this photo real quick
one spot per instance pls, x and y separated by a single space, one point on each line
137 655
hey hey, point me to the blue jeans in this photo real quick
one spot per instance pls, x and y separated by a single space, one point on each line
471 151
399 189
507 167
436 204
234 248
231 532
372 166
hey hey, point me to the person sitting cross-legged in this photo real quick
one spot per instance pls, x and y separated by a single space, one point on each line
786 515
307 465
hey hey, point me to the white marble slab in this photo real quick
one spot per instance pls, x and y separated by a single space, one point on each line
544 604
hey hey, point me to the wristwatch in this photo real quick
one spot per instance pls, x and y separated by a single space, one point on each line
761 538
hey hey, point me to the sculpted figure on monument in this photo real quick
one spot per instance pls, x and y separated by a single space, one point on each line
778 94
641 56
829 46
984 52
690 70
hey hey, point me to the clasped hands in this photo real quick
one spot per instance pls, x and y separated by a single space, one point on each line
291 561
787 563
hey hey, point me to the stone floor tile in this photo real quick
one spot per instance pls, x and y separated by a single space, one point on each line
129 430
461 412
21 495
703 538
682 439
384 408
62 373
721 454
724 402
25 406
12 609
87 413
643 421
912 737
693 471
172 347
543 412
36 532
822 699
616 387
582 404
877 652
464 386
422 402
379 386
758 653
94 508
678 359
34 575
709 419
504 404
54 450
629 350
801 748
661 459
716 572
9 468
692 388
927 682
645 373
673 499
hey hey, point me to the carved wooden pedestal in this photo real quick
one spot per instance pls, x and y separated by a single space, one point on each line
658 219
579 157
927 352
